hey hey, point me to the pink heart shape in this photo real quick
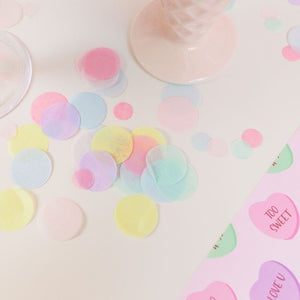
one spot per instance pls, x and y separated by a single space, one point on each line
276 217
215 291
275 282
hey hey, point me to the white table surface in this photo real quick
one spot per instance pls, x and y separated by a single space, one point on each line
259 90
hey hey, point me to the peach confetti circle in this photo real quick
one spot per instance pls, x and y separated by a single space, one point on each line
178 114
10 13
60 219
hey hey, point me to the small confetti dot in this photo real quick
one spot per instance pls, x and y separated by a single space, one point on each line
241 149
123 111
201 141
218 148
273 24
289 54
253 137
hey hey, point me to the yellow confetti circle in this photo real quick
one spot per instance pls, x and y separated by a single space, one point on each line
115 140
151 132
136 216
16 209
28 136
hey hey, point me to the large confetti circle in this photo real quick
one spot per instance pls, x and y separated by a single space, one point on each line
92 109
60 219
100 64
115 140
31 168
167 164
136 163
10 13
17 208
177 114
102 166
182 190
43 102
136 216
60 121
28 136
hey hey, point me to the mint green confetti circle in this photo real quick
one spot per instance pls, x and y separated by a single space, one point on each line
273 24
241 149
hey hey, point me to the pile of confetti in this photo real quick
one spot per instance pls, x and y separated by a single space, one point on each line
139 163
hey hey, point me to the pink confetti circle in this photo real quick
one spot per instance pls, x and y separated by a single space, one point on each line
43 102
136 163
8 131
100 64
83 179
178 114
253 137
123 111
218 148
60 219
10 13
289 54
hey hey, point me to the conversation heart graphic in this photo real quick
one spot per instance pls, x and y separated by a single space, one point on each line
275 282
225 244
276 217
215 291
283 161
